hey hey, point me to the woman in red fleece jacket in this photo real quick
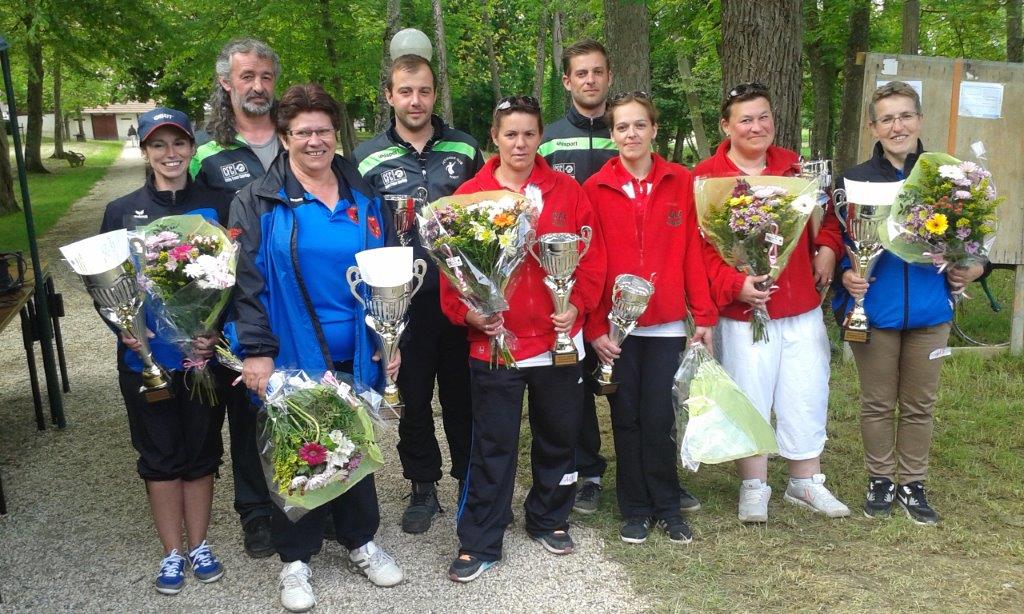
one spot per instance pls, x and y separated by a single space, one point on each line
556 394
790 372
645 208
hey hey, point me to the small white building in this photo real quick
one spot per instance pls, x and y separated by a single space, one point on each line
106 123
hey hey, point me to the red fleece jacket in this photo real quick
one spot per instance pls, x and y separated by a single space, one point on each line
796 293
566 209
669 248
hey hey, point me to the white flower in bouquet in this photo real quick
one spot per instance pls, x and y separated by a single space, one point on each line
344 445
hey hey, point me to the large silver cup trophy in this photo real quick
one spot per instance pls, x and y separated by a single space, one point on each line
385 315
630 295
404 208
559 255
863 225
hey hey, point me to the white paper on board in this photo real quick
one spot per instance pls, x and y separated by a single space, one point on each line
914 84
872 193
890 66
980 99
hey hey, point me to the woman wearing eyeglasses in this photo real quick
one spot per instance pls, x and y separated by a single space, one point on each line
299 228
644 205
555 393
789 373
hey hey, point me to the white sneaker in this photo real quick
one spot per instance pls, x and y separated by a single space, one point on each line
754 496
811 493
375 564
296 593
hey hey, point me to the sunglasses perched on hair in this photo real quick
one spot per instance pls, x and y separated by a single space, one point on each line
747 88
517 102
634 94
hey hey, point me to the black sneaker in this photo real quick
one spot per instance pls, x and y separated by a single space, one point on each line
555 542
257 537
687 502
466 568
676 529
911 496
588 496
879 497
423 506
635 530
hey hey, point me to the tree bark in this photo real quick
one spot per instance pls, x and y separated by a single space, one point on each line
81 127
627 37
693 103
489 42
556 59
823 77
679 144
34 129
382 117
442 62
1014 37
8 203
853 82
540 60
348 133
910 42
58 113
762 43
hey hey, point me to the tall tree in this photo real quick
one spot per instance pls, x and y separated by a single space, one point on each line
910 42
34 98
58 113
761 42
540 60
627 37
693 104
853 80
824 71
1014 37
492 61
8 203
382 116
348 133
440 49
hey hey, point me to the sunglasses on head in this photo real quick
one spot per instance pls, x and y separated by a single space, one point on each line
517 102
634 94
747 88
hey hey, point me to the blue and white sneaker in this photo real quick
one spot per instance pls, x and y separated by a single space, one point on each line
205 566
171 578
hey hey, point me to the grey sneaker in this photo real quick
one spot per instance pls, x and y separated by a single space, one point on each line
687 502
588 497
423 506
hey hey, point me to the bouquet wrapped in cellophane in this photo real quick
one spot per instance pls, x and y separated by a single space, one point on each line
316 438
187 268
715 421
478 242
755 224
945 213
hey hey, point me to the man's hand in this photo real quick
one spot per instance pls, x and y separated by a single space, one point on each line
256 372
563 321
606 350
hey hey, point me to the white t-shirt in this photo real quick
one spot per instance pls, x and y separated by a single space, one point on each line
544 358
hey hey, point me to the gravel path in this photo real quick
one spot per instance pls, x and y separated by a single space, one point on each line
78 536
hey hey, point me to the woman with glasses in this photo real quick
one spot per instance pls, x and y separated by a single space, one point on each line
910 309
555 393
789 373
644 205
299 228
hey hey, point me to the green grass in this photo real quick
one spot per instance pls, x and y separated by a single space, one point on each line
52 194
975 315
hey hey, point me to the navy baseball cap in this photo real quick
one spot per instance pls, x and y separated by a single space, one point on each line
162 116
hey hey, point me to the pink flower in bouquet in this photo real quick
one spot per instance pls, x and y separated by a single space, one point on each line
353 462
180 252
313 453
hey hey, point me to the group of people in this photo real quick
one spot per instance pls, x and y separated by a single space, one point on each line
269 171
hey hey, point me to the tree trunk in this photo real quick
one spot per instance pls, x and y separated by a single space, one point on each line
442 62
556 59
81 127
382 117
58 113
34 130
627 36
853 82
539 61
910 42
1014 37
693 103
489 42
763 45
348 133
680 144
8 204
823 76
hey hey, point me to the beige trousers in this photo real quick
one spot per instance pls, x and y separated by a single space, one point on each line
896 367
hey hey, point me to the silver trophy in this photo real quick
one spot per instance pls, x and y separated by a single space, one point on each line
630 295
863 225
385 315
559 256
404 208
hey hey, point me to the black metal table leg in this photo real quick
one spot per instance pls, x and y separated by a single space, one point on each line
28 337
3 501
57 312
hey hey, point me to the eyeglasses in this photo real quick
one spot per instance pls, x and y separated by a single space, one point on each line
528 103
634 94
305 135
904 118
747 88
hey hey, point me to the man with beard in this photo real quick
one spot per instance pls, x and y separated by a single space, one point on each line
420 153
241 144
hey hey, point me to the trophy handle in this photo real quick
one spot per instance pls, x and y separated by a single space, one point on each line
839 205
586 233
531 242
354 278
419 269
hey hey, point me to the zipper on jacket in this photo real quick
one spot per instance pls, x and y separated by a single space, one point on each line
906 295
320 338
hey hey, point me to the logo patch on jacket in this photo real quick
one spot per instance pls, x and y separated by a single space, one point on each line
675 217
569 168
234 172
558 218
393 177
374 225
453 165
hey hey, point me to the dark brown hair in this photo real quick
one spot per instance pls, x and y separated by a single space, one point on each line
641 98
584 47
409 62
303 99
744 92
517 104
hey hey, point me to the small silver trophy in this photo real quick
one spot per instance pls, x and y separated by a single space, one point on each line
385 315
404 209
630 295
559 256
863 225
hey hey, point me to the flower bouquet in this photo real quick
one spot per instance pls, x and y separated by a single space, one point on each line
755 224
317 439
187 268
945 214
478 242
715 421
